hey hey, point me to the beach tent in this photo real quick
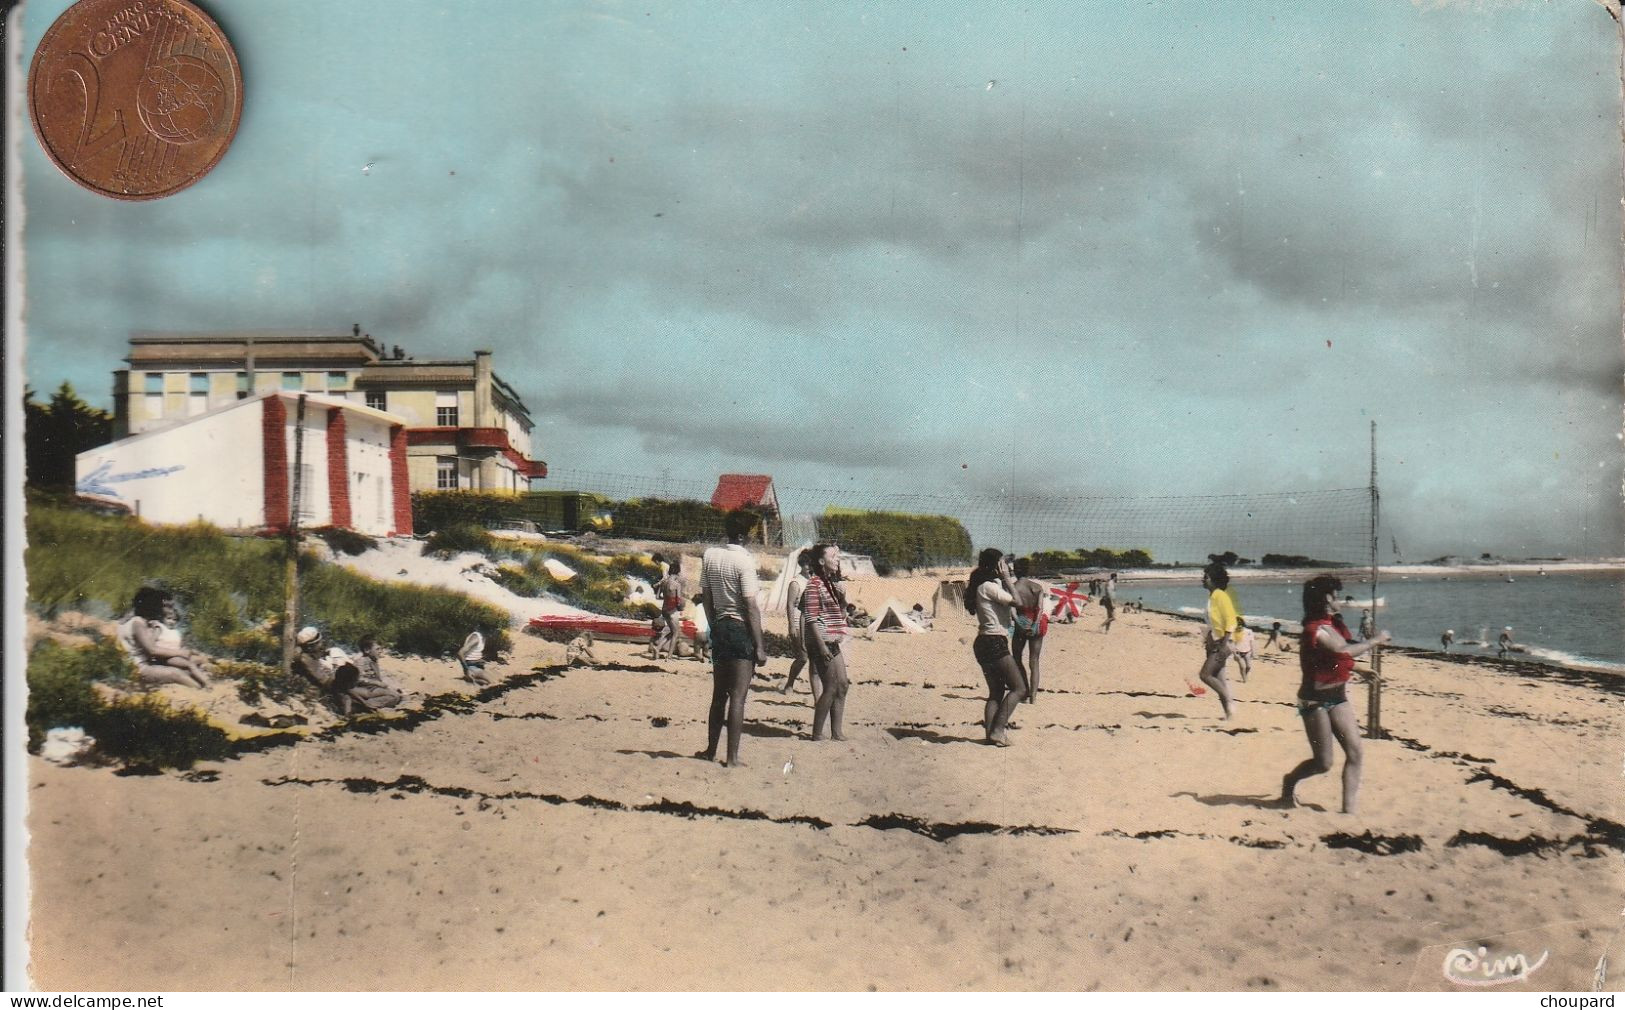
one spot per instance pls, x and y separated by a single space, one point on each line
893 617
951 593
774 602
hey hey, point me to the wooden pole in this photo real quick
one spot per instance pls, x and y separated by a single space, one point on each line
1374 709
290 578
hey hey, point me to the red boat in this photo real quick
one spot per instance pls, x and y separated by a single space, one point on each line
608 629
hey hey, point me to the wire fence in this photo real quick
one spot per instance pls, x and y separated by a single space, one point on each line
1281 527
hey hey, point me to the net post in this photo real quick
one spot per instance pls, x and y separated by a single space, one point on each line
1374 696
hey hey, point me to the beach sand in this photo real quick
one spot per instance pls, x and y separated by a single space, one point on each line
555 833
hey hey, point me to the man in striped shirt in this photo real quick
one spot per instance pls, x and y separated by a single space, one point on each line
729 585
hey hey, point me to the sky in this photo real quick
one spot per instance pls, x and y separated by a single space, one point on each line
1105 249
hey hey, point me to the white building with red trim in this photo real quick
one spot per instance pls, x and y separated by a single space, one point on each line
466 429
234 466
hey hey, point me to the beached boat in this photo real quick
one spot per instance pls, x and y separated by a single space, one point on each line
609 629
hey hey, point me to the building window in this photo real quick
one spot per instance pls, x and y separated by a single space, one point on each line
377 400
242 385
337 381
381 495
154 383
307 492
154 405
197 393
445 410
293 382
445 473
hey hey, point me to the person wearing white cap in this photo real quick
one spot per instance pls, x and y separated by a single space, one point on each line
320 667
1446 639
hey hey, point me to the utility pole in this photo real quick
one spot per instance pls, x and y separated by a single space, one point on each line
290 581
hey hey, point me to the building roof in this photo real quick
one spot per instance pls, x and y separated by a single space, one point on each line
742 490
315 399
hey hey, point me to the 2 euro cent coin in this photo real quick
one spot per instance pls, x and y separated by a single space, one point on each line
135 99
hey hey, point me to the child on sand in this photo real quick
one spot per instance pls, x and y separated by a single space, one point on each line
1244 648
471 657
374 689
579 651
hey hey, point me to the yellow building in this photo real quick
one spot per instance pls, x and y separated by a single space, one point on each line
465 428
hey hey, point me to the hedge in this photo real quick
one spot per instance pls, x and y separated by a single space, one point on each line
549 510
897 540
1052 562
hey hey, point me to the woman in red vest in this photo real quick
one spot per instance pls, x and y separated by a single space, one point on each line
1326 656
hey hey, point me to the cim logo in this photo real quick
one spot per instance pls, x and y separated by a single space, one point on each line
1465 967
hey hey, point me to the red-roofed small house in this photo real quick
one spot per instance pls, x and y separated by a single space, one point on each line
745 490
752 491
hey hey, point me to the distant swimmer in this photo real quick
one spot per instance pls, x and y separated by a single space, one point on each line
1447 639
1368 626
1503 644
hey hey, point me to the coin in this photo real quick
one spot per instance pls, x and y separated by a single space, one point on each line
135 99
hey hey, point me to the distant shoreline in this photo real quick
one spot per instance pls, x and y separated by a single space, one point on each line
1356 573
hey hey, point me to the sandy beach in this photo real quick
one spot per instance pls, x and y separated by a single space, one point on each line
554 832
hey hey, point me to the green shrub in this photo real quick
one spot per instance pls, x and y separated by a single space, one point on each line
231 588
897 540
549 510
409 619
456 539
141 731
59 685
1052 562
660 519
598 586
343 541
145 731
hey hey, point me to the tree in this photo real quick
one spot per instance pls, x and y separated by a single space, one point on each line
57 431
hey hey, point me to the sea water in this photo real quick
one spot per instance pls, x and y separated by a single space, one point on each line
1565 618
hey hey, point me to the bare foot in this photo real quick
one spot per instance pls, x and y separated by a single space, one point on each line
999 740
838 736
735 763
816 737
706 755
1289 794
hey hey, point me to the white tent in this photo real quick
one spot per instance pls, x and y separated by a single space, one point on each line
776 593
894 617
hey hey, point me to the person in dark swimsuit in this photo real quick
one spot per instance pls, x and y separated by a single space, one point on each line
1326 655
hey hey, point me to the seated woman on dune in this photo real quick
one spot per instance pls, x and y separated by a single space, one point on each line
153 642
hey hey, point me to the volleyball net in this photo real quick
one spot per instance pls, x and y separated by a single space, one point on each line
907 530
